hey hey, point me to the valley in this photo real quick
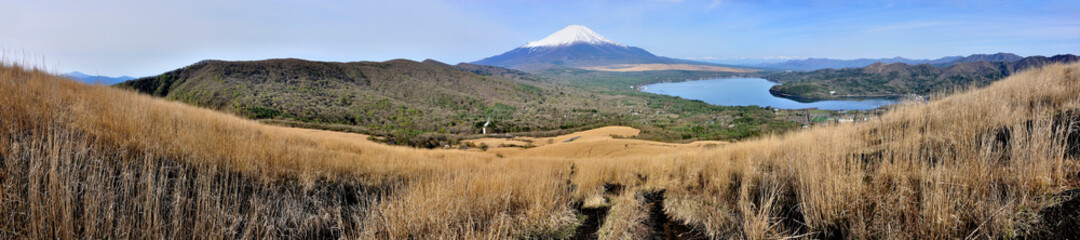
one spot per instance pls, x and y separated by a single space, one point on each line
431 104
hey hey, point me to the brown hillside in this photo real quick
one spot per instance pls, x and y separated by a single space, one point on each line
79 161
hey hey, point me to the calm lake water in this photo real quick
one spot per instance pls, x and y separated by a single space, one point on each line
753 91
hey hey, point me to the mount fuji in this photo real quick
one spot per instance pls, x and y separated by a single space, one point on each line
580 47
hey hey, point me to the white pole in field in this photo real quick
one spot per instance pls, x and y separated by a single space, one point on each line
485 125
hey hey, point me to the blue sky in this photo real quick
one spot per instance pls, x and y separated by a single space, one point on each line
140 38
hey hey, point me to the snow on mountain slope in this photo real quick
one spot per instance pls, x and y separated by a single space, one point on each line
570 35
578 46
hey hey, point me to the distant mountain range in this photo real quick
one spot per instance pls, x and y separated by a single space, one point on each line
896 79
823 63
95 79
578 46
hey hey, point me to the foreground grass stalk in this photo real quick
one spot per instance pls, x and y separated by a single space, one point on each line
80 161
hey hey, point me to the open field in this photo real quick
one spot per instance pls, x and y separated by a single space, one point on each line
604 142
79 161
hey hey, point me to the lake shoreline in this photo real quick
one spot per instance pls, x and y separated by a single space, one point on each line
847 97
743 91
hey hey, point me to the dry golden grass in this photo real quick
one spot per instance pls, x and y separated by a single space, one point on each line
627 219
595 143
80 161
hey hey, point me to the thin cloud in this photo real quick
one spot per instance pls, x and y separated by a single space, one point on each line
715 4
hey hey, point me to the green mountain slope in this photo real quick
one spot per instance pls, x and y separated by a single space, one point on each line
378 97
898 79
432 104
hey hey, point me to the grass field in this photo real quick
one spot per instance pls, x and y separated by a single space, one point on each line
79 161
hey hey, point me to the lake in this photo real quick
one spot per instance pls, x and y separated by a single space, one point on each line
753 91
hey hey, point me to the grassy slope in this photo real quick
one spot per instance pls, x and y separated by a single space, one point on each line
84 161
431 104
898 79
398 98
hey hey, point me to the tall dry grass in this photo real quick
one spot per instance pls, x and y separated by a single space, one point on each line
81 161
978 164
627 219
84 161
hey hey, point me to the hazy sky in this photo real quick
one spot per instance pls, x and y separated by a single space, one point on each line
148 37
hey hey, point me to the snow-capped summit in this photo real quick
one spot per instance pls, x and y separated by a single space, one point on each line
574 46
570 35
